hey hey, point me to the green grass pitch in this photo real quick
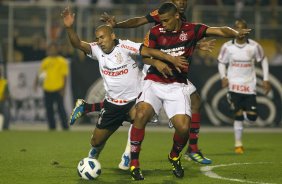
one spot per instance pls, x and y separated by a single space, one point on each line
42 157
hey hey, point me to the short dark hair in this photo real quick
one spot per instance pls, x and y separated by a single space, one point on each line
167 7
242 21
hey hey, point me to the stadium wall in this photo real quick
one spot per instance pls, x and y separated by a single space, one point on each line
215 108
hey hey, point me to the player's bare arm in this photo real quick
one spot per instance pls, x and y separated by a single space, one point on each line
68 19
178 62
226 32
162 67
129 23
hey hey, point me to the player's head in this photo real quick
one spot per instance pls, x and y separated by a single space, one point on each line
180 4
239 25
105 38
169 16
52 49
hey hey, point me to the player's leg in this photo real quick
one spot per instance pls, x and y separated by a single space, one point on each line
111 118
250 107
236 101
144 112
98 141
62 111
48 102
81 108
177 106
193 151
147 104
125 158
180 138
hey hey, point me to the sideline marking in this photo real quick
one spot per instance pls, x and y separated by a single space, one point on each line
207 170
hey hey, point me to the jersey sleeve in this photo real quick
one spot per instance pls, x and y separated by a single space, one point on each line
200 31
94 50
223 56
259 53
150 39
131 47
153 17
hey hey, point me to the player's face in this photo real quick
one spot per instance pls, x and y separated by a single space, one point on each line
169 20
52 50
105 40
181 5
239 26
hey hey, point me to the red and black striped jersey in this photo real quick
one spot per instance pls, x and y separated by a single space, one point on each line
153 17
176 43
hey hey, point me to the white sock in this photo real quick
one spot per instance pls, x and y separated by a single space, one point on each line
127 148
238 131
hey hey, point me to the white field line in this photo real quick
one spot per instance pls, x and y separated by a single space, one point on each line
207 170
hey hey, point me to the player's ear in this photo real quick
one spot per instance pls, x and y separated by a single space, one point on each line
113 35
177 15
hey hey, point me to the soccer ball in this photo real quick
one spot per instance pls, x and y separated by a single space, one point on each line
89 168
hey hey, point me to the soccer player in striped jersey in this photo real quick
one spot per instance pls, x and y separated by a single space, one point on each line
192 151
120 74
240 55
177 38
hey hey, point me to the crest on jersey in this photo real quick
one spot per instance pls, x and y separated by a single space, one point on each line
118 58
183 36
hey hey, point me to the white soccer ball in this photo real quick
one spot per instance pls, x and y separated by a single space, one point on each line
89 168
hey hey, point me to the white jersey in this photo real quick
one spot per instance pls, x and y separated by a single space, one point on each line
119 71
241 59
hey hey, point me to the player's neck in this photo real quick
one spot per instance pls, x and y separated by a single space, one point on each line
241 41
178 25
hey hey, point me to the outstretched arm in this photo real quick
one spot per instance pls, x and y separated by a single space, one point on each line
226 32
129 23
68 18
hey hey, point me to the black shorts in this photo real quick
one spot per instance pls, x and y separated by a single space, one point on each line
112 116
245 102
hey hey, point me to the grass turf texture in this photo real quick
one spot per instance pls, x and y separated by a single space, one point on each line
29 157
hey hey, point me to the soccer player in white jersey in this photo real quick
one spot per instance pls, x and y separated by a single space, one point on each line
120 74
240 55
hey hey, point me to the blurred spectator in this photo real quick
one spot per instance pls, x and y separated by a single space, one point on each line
239 6
277 58
52 76
105 4
4 102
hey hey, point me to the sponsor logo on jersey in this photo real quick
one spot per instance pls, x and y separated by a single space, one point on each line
178 51
242 65
129 48
240 88
115 73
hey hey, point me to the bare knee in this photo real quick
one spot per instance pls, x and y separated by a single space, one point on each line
144 112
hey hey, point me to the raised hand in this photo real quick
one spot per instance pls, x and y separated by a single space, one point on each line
207 45
68 17
243 32
266 86
109 20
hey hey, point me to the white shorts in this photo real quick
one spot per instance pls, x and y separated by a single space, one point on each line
191 88
173 97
